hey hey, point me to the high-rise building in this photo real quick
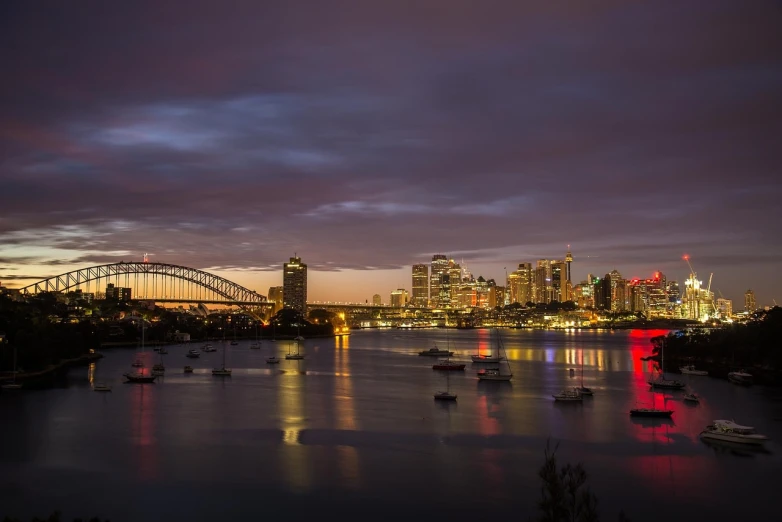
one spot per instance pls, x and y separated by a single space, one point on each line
116 293
275 296
724 308
399 297
602 292
455 279
558 281
519 282
542 289
377 300
496 296
294 284
420 285
438 298
750 305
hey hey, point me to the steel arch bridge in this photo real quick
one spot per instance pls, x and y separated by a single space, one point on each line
154 281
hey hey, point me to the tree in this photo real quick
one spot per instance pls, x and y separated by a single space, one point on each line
564 494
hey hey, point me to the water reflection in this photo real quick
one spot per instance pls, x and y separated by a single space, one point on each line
347 456
143 430
295 464
91 373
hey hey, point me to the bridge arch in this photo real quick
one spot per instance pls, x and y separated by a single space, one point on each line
233 293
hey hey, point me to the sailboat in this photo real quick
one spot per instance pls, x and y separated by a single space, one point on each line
273 359
234 342
13 385
446 395
651 412
139 377
298 337
294 356
222 372
661 381
583 390
159 368
495 374
257 344
447 364
486 358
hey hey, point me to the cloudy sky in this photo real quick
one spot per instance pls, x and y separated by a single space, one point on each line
366 136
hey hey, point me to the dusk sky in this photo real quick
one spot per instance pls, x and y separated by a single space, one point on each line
368 135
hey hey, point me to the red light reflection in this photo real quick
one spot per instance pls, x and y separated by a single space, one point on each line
142 429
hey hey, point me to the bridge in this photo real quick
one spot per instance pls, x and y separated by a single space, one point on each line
155 282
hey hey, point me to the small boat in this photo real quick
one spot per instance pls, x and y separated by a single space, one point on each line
435 352
255 346
101 387
234 343
495 374
298 338
692 397
222 372
446 395
11 386
741 378
690 370
650 412
661 381
448 365
207 348
293 357
569 396
272 360
193 354
188 369
729 431
484 358
139 378
583 390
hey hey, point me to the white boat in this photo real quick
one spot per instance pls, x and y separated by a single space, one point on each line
208 348
569 396
690 370
101 387
729 431
692 397
740 377
222 372
446 395
193 354
496 374
298 338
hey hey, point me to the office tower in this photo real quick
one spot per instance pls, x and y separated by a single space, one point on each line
542 282
377 300
116 293
749 301
558 281
496 296
420 296
620 303
438 269
275 296
294 285
455 279
602 292
399 298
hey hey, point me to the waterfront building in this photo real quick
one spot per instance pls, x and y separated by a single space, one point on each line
399 298
377 300
420 296
496 296
294 285
750 305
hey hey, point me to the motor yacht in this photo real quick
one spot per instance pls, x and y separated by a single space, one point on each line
741 378
690 370
569 396
729 431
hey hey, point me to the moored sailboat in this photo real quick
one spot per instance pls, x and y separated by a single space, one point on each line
446 395
496 374
223 371
139 377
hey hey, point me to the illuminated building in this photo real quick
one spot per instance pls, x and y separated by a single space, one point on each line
697 302
275 296
724 308
621 297
520 284
542 282
399 297
438 298
750 305
496 296
294 285
377 300
583 295
602 293
420 295
558 281
454 279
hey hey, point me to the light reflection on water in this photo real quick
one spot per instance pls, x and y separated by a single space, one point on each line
357 415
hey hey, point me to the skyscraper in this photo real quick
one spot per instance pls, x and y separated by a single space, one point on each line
439 268
275 296
420 285
749 301
399 297
294 285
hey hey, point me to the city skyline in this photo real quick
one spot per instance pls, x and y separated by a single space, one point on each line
366 138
